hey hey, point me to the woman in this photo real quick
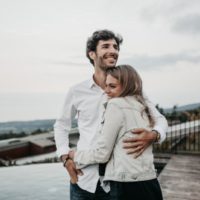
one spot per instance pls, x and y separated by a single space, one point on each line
129 177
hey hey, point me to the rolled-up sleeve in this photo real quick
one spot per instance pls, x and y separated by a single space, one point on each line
161 124
62 125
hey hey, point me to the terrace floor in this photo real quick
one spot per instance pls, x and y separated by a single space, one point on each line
180 179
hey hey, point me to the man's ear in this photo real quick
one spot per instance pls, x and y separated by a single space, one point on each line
92 55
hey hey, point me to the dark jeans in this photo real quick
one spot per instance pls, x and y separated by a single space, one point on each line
142 190
76 193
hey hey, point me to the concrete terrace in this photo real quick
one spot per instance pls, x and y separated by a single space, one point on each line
180 179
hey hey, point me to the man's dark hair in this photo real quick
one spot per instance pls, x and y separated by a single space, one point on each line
100 35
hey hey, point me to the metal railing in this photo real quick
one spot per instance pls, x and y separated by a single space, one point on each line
181 138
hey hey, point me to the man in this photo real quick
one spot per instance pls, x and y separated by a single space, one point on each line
85 101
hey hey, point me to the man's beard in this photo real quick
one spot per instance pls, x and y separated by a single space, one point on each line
103 66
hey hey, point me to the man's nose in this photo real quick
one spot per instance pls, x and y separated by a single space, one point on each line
113 50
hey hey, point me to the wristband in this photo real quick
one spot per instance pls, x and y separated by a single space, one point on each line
157 135
65 161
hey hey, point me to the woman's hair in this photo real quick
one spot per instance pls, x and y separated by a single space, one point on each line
131 84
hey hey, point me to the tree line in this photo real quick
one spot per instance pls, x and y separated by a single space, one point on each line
176 117
11 134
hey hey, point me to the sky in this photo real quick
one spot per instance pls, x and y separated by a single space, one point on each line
42 50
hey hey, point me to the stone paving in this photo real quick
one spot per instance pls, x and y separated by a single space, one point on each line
34 182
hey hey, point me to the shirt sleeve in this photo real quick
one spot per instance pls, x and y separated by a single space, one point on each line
62 125
113 121
161 124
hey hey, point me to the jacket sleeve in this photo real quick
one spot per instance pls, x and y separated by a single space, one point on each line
160 121
62 125
113 121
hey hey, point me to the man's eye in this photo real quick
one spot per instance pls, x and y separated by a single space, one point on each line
116 47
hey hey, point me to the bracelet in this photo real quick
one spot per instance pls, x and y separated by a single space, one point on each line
65 161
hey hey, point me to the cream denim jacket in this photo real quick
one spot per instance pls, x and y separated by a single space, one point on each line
120 117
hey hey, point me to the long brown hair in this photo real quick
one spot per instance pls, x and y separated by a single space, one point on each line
131 84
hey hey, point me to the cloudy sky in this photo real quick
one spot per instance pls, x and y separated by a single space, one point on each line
42 50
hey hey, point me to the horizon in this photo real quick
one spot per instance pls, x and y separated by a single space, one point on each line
31 110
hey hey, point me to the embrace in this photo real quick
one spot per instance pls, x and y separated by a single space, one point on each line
117 126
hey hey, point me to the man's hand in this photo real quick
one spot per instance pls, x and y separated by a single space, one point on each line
73 172
141 140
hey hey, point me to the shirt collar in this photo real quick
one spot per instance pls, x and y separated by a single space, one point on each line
92 84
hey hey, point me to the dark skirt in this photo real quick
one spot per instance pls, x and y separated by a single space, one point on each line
141 190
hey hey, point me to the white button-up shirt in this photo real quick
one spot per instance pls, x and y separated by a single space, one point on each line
85 101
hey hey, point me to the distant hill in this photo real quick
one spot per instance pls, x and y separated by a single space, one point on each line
26 126
47 125
184 108
29 126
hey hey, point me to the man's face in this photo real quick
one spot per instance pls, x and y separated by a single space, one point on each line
106 54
